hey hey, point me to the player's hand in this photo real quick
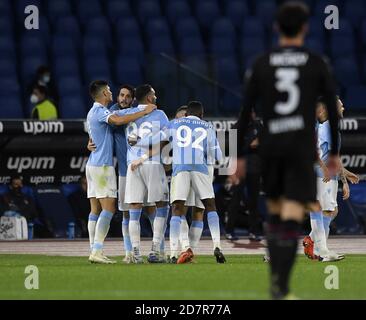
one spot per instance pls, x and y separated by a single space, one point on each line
326 174
132 139
255 143
353 178
91 146
150 108
136 163
346 192
238 169
333 165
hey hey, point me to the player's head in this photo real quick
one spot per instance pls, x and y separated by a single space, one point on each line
291 19
39 94
321 109
100 91
181 112
125 97
16 183
195 108
44 74
340 107
145 94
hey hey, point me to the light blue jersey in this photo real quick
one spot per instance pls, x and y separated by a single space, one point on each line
120 144
324 145
101 133
143 127
194 144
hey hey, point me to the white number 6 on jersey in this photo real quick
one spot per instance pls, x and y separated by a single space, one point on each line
286 78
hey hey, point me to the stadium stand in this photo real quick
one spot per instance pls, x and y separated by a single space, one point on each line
87 39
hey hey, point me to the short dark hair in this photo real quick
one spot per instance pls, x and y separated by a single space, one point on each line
96 86
41 89
290 17
322 100
142 91
181 108
129 88
42 69
194 108
16 177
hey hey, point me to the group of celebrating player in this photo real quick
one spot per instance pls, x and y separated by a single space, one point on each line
137 136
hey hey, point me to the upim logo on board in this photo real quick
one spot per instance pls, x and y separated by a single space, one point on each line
37 127
26 163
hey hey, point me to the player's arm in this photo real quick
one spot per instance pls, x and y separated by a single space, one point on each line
153 151
324 168
351 177
346 191
329 94
120 120
91 145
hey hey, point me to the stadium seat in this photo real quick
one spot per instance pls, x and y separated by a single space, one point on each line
87 9
128 70
72 107
94 46
191 46
222 46
20 6
96 68
197 63
68 26
117 9
132 47
265 10
356 98
251 46
148 9
5 7
29 67
355 11
161 70
315 44
127 27
32 46
341 46
346 71
345 28
231 101
12 109
316 28
161 44
58 8
9 85
156 26
226 72
207 11
69 85
252 27
177 9
55 209
223 28
363 33
99 27
66 66
6 25
63 46
186 26
237 11
7 48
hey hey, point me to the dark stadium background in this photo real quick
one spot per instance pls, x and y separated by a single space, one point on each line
187 49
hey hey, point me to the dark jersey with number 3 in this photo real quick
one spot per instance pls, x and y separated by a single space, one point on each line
285 83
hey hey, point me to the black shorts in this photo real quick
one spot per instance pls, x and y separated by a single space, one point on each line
291 178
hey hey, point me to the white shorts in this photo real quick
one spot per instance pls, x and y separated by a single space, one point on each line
193 200
122 205
327 194
147 184
184 181
101 182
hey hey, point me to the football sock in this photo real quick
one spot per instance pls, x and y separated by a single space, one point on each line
184 229
135 229
101 229
92 221
318 233
214 226
326 223
195 233
159 226
126 235
162 243
174 236
152 219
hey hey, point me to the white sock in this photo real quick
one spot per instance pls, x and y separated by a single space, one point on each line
135 229
101 229
326 222
92 222
195 233
126 235
214 225
318 233
184 229
174 236
159 226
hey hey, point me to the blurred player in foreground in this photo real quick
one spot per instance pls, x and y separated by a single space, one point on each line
315 245
287 82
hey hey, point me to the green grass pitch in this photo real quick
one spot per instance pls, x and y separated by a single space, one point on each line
243 277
